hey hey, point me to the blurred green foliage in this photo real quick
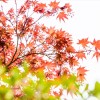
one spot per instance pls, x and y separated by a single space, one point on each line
20 83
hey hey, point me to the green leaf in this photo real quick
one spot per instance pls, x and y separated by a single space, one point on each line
15 75
6 79
25 65
96 91
9 95
2 69
29 91
3 90
52 98
29 88
66 81
86 87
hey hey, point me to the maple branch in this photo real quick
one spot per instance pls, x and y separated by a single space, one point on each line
17 37
35 21
25 22
87 51
4 55
22 7
17 44
9 20
38 53
13 55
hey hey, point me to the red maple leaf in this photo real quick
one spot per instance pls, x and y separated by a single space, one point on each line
62 16
83 42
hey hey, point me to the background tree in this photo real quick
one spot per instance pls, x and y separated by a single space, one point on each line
29 49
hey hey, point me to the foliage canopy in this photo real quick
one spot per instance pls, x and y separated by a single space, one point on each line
36 59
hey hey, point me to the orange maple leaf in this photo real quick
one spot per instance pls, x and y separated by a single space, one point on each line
40 7
97 55
69 10
3 18
72 89
80 55
54 5
70 49
67 5
81 70
83 42
51 30
96 44
81 73
62 16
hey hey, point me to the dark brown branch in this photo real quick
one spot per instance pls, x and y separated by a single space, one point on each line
17 37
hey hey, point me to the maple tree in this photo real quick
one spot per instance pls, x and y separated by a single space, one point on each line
39 50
